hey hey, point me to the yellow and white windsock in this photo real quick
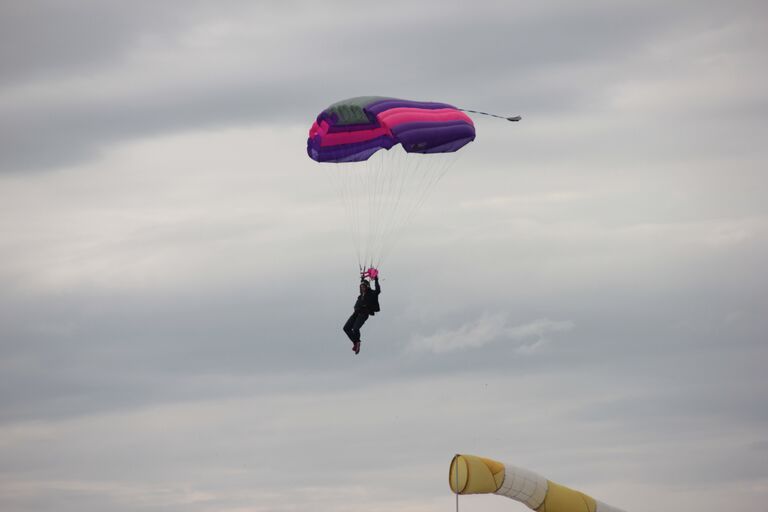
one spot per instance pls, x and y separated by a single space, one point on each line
477 475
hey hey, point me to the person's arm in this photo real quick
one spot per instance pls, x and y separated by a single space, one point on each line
376 282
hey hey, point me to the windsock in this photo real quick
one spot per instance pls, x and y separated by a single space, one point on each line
477 475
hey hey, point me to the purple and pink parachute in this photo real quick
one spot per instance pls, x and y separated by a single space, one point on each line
352 130
381 190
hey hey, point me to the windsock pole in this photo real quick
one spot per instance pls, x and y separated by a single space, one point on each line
457 485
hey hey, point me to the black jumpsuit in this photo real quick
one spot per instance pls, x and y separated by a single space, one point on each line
367 304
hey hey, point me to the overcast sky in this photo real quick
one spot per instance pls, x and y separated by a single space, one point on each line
583 295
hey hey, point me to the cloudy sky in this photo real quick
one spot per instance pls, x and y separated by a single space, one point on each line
584 294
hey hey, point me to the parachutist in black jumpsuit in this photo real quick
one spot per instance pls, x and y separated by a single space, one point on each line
367 304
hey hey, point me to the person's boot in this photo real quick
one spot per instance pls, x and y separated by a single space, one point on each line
356 347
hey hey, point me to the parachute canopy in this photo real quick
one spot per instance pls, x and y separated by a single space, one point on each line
470 474
352 130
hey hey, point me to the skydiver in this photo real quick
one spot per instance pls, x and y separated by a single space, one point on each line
367 304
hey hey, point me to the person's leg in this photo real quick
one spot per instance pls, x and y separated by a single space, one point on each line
357 324
348 328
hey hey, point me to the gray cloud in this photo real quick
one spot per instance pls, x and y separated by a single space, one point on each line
490 328
174 68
